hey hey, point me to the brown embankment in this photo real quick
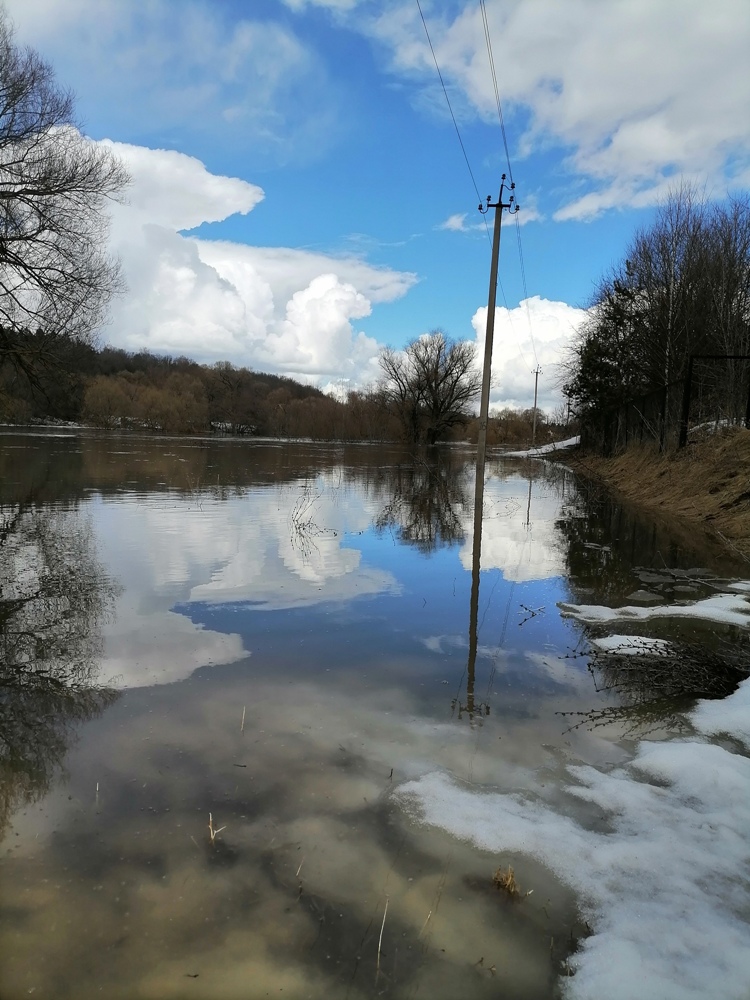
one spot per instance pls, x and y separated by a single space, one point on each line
708 482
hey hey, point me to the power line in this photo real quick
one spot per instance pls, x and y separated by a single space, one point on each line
525 289
471 172
488 40
447 99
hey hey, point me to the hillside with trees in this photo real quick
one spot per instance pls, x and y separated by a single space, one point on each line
115 389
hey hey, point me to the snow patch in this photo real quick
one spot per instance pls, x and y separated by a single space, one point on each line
544 449
666 889
630 645
727 609
730 716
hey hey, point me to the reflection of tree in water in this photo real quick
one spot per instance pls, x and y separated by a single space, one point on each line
618 555
54 598
655 686
608 544
427 501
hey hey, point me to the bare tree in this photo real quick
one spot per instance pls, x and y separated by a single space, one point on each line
56 277
430 384
682 290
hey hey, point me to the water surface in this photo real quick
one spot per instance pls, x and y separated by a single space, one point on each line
277 636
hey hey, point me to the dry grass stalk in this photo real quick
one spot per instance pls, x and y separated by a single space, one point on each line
212 832
506 881
380 941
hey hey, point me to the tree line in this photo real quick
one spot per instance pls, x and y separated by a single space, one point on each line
112 389
682 290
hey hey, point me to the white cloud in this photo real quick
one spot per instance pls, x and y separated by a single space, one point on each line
536 331
633 92
455 223
175 190
243 83
276 309
334 5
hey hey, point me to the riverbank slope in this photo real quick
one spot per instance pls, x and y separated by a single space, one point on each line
707 482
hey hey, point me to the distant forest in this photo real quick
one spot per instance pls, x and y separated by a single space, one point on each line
59 378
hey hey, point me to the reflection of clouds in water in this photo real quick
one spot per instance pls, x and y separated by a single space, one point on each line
280 547
523 552
161 647
312 847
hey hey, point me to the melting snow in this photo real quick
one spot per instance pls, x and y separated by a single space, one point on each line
666 889
728 609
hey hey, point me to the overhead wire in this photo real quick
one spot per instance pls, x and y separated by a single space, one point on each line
468 164
491 58
488 40
450 108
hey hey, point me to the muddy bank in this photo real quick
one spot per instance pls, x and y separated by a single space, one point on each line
706 483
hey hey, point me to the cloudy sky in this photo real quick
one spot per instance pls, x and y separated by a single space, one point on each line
299 194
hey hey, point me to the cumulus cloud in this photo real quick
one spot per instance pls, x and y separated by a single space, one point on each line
628 92
276 309
537 331
174 190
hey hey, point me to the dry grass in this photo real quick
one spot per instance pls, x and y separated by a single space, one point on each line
505 881
708 482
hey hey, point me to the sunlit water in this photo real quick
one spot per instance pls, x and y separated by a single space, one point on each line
277 636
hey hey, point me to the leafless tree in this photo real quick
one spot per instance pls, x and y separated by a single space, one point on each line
56 277
683 290
430 384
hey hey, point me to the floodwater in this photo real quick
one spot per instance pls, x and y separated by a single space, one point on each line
222 659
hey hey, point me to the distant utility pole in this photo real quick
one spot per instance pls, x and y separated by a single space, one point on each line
536 373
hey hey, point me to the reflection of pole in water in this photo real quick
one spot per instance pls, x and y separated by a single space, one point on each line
476 556
528 507
484 406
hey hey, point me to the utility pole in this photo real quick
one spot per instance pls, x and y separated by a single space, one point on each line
484 408
484 403
536 373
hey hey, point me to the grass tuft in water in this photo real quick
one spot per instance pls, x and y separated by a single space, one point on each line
505 881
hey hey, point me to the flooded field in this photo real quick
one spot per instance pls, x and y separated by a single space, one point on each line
259 740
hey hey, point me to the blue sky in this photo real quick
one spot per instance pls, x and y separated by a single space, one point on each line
299 194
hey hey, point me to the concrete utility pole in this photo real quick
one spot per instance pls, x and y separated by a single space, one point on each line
484 408
536 373
484 403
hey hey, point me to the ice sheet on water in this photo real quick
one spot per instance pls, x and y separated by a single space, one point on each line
666 889
727 609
